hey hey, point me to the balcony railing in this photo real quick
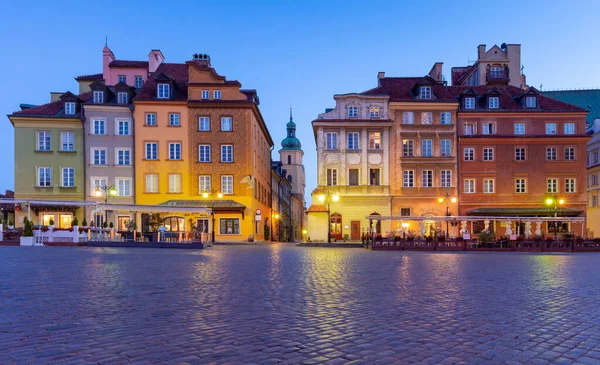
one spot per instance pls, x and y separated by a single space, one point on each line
497 76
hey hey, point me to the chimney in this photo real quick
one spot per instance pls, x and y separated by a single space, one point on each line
155 58
202 60
436 71
55 95
480 51
513 53
380 75
107 58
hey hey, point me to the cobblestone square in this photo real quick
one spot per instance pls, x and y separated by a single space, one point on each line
281 304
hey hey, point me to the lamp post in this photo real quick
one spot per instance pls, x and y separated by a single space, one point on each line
447 198
108 190
212 194
554 203
328 197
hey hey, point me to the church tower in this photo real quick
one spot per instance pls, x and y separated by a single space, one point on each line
291 156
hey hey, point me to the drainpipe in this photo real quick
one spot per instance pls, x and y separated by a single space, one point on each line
271 188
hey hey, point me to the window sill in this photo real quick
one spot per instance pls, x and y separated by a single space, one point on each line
203 130
151 192
121 166
43 187
148 125
173 192
332 150
94 165
145 159
170 159
226 131
61 151
203 161
174 126
44 151
67 187
226 161
94 134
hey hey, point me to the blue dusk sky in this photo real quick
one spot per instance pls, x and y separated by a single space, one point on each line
295 53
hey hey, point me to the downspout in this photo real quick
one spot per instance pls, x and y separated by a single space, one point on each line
271 190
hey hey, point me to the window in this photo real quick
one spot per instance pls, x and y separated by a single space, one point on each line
203 184
469 103
426 147
594 180
353 141
488 154
227 184
163 91
405 212
226 124
519 128
44 176
426 118
151 151
204 153
374 177
552 185
520 186
69 108
595 157
445 118
427 178
67 141
445 148
493 102
569 128
174 183
205 94
122 98
331 177
151 119
152 183
99 126
551 153
488 186
217 94
470 129
229 226
530 101
123 127
408 178
123 78
375 140
469 186
520 154
408 118
408 147
43 141
373 111
138 82
352 111
446 178
353 179
68 177
489 128
289 159
569 185
174 120
97 184
550 128
425 92
227 153
594 201
123 186
204 124
331 141
98 156
174 151
98 97
123 157
570 153
469 154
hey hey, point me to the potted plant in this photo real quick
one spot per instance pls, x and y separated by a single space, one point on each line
75 222
11 224
346 237
111 225
27 238
51 223
84 222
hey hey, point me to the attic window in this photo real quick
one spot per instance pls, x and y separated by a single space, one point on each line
122 98
98 97
493 102
469 103
353 111
163 91
425 92
70 108
530 102
374 111
123 79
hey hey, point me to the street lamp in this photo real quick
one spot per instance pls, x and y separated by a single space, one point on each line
273 216
212 194
108 190
328 197
555 203
447 198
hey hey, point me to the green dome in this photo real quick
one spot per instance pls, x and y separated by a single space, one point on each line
291 142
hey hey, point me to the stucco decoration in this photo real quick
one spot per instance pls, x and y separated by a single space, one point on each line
151 166
332 159
174 166
374 158
249 180
353 159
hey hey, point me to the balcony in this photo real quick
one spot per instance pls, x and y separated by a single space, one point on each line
497 77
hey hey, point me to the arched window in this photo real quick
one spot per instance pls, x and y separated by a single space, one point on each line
289 159
336 225
289 178
174 224
375 223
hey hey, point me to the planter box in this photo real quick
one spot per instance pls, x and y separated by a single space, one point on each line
27 241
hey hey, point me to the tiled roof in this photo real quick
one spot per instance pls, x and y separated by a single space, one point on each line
130 64
458 73
317 209
177 71
94 77
54 109
587 99
354 120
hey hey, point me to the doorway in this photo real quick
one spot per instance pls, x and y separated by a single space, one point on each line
355 230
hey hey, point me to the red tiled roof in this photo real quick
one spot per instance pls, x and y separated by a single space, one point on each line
54 109
317 209
354 120
94 77
458 73
177 71
130 64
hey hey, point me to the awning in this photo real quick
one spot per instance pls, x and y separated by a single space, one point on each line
524 212
219 206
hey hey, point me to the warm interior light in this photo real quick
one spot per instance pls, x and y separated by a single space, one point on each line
321 198
335 197
98 192
205 195
549 201
453 200
441 200
561 201
220 195
405 225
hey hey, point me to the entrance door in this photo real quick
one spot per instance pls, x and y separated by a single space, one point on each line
355 230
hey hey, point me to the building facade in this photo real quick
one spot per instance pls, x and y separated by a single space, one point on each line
593 176
496 66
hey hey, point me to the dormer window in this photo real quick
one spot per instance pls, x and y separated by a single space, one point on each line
70 108
425 92
122 98
352 111
493 102
98 97
469 103
530 102
217 94
123 79
373 111
163 91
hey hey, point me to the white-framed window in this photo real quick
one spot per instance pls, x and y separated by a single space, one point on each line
445 148
98 97
374 111
426 148
425 92
408 118
98 126
138 82
203 184
353 177
426 118
488 186
427 178
569 128
569 153
44 176
123 78
530 101
175 151
488 154
519 128
469 186
97 184
375 177
550 128
331 141
163 91
470 129
226 124
375 140
43 140
151 183
123 156
520 186
227 184
151 151
67 141
204 153
446 178
352 111
446 118
552 185
68 177
175 183
569 185
122 98
229 226
332 177
217 94
469 154
69 108
408 148
353 140
489 128
227 153
520 154
594 180
99 156
205 94
493 102
123 127
123 186
204 124
151 119
408 178
551 153
594 202
469 103
174 120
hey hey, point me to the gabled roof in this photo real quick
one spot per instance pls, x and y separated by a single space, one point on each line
54 109
587 99
177 71
94 77
128 64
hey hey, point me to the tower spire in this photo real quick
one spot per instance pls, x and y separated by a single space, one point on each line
106 41
291 114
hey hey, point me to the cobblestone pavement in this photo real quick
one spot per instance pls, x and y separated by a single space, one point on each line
280 304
